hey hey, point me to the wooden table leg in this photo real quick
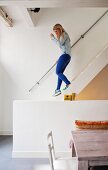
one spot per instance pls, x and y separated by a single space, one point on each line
83 165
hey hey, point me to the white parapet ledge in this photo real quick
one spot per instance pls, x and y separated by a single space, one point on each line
33 120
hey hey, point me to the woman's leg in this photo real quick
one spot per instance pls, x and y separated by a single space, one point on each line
59 84
61 66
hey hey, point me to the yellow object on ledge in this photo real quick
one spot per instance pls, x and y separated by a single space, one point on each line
69 97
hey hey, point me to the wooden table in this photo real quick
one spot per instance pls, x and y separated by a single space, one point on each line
91 148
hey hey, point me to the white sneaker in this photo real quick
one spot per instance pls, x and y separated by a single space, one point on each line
57 92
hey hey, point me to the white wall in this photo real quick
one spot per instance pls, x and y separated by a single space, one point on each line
1 94
27 53
32 121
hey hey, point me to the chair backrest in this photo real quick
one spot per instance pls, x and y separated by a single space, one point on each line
51 149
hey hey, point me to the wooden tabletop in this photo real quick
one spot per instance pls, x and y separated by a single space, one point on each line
91 144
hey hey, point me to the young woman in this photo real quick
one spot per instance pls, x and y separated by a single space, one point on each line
63 41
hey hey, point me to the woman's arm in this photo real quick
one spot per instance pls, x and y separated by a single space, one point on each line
63 38
53 38
60 40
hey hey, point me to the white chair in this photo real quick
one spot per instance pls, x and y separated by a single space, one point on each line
70 163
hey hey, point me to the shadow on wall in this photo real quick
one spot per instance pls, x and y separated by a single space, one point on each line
6 99
1 92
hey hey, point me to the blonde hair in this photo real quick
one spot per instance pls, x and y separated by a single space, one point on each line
58 26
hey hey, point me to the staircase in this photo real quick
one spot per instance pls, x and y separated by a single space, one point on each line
96 64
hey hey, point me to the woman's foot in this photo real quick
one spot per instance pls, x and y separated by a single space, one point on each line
57 92
67 85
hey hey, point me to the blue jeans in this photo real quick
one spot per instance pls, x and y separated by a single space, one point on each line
62 63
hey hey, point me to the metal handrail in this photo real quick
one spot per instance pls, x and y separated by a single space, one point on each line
82 36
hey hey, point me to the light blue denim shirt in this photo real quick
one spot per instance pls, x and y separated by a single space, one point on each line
64 43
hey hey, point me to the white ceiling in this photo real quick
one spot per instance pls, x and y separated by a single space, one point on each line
55 3
32 19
